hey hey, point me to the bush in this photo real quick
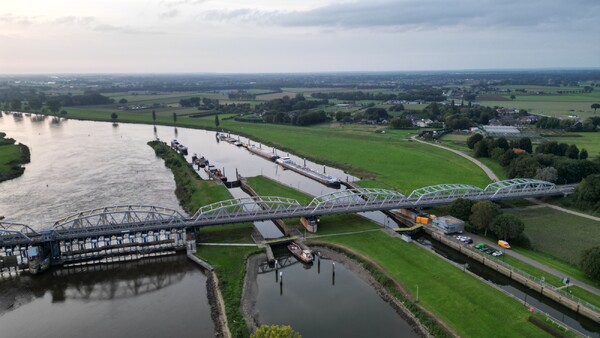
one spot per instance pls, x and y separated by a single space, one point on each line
590 263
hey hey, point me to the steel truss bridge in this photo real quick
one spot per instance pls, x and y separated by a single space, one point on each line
116 220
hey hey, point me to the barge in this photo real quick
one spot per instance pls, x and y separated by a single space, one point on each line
325 179
263 153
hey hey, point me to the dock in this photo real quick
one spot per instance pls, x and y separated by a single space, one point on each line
324 179
271 156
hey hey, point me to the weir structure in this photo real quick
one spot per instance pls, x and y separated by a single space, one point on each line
99 234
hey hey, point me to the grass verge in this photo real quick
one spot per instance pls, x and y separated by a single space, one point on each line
230 266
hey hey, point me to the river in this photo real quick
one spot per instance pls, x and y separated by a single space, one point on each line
82 165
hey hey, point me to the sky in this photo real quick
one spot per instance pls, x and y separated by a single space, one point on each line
282 36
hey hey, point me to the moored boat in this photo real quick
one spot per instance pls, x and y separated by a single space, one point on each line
304 255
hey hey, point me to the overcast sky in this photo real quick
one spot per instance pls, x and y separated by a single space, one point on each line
231 36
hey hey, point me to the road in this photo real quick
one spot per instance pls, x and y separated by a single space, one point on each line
483 167
532 262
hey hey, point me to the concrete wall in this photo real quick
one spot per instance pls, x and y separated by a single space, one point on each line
518 277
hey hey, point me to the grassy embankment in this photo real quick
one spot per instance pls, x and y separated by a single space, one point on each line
11 157
390 159
443 287
466 304
229 262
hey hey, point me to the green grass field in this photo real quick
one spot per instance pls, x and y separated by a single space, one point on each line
589 141
550 105
265 186
8 153
443 288
558 234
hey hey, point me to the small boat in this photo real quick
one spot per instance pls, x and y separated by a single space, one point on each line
201 162
304 255
174 144
182 149
238 143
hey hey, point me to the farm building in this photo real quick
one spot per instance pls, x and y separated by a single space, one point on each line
506 131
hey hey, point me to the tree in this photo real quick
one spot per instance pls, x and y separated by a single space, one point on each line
595 106
53 105
399 123
501 142
217 120
35 104
461 208
590 263
572 152
114 117
275 331
525 144
15 104
583 154
483 214
472 140
123 101
482 149
154 116
549 174
174 118
507 226
512 97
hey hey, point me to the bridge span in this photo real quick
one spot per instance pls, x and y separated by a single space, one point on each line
145 227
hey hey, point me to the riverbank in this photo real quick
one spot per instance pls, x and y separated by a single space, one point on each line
192 191
12 157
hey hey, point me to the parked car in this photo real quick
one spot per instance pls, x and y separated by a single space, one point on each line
504 244
497 253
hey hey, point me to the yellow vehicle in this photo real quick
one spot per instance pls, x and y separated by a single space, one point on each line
504 244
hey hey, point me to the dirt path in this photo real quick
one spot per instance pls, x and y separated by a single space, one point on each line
556 207
483 167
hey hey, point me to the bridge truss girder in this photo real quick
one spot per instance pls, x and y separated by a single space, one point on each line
247 206
355 197
445 191
16 234
519 186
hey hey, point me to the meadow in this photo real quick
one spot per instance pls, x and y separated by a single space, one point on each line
558 234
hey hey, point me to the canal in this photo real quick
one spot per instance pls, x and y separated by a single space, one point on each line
525 294
325 299
82 165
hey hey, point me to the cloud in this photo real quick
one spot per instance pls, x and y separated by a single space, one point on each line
169 14
124 29
176 3
15 20
424 14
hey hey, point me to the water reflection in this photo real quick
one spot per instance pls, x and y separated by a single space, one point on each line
335 304
117 294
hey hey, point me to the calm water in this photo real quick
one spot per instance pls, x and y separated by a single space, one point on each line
81 165
318 303
157 297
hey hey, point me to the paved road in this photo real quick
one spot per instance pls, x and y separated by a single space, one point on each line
532 262
483 167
